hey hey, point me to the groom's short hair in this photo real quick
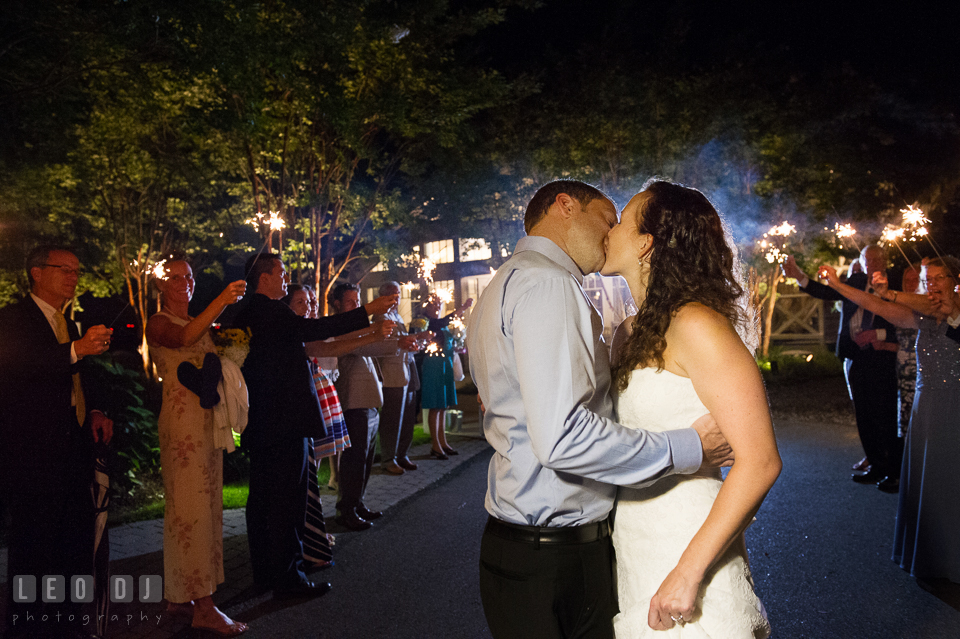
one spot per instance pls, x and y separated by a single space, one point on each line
545 196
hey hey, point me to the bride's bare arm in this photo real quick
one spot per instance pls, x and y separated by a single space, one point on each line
704 346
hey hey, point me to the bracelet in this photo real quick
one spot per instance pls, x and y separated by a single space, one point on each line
894 297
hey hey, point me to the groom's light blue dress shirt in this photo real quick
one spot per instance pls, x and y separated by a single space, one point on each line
543 371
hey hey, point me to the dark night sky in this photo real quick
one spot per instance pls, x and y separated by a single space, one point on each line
907 47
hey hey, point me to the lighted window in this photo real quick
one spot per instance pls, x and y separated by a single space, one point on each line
439 252
473 249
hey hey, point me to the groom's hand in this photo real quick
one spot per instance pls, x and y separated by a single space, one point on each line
716 450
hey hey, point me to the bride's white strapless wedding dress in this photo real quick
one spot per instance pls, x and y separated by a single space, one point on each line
654 525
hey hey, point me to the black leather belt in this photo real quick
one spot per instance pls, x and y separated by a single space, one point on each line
537 535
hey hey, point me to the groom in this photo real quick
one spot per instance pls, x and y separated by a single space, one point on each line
543 371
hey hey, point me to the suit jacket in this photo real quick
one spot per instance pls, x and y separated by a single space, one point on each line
846 347
396 369
358 385
953 333
283 398
42 445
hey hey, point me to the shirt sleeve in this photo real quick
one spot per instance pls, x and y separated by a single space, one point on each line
554 343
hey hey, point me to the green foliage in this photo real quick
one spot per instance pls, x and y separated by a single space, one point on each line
785 365
135 437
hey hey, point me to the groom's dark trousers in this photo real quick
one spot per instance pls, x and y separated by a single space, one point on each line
539 582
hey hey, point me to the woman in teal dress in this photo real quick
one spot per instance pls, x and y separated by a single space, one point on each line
438 389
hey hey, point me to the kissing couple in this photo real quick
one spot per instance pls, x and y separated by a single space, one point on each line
579 445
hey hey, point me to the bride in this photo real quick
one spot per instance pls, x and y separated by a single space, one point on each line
681 559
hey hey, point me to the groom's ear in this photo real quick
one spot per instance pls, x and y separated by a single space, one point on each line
566 206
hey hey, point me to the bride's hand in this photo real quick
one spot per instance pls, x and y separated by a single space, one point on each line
674 602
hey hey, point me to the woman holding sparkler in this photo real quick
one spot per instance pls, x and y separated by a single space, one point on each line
928 515
437 384
191 464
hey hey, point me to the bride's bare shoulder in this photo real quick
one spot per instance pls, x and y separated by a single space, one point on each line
696 328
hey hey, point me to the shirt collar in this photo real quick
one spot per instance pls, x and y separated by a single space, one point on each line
47 309
551 251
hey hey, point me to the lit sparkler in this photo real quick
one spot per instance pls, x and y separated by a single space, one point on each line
891 234
275 222
846 231
773 249
445 295
916 221
913 217
425 269
432 349
784 230
159 270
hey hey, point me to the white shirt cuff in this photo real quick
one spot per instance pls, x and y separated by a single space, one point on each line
881 334
687 450
954 321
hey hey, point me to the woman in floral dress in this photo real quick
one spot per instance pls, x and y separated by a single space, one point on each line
191 465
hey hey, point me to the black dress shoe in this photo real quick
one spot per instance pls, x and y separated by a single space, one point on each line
352 521
368 514
437 455
889 485
303 590
450 451
872 476
405 463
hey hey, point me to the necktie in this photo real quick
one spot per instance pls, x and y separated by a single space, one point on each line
63 337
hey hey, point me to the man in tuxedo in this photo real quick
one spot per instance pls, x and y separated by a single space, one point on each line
284 413
46 441
400 385
870 343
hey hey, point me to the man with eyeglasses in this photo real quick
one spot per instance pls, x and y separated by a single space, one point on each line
870 342
47 435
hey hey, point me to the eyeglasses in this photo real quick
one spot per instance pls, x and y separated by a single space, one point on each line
66 270
935 280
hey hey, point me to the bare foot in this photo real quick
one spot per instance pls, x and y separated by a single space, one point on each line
213 620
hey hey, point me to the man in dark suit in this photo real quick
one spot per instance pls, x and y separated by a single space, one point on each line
46 441
870 343
284 412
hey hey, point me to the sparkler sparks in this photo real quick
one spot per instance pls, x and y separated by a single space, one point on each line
773 249
892 233
913 217
425 269
275 222
159 270
444 295
784 230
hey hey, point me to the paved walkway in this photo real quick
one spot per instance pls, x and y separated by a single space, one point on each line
136 549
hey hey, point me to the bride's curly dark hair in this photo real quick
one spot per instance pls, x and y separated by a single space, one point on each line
691 261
